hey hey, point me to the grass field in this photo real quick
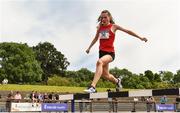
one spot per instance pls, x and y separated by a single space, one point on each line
44 88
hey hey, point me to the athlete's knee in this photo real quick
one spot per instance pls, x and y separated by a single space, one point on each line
106 76
99 62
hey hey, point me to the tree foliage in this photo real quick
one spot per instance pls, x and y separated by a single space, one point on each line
167 76
18 63
22 64
52 61
176 78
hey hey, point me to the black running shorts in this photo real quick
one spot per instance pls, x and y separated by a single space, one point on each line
102 53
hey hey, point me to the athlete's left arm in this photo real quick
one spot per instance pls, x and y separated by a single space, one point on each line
117 27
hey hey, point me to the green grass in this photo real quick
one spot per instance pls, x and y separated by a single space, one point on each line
44 88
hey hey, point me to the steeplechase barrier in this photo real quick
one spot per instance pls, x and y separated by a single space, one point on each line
68 102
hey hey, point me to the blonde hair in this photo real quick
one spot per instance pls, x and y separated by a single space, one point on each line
109 14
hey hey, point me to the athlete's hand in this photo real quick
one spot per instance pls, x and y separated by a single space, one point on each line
87 51
144 39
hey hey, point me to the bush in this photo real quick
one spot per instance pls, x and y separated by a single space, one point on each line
58 81
177 85
84 84
105 84
160 85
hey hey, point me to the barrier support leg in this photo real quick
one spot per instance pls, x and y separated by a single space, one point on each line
72 106
91 106
155 107
134 107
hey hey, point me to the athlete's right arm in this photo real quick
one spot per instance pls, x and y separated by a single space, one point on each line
93 41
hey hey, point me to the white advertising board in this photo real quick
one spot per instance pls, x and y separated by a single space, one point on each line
25 107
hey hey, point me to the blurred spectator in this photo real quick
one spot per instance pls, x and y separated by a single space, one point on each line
45 97
10 97
150 101
143 99
57 96
40 97
178 99
36 98
17 96
136 99
135 102
27 97
177 103
50 96
36 95
32 96
163 99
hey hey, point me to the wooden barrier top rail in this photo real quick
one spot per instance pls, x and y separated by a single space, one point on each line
135 93
105 95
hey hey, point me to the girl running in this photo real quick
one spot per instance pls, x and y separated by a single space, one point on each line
106 35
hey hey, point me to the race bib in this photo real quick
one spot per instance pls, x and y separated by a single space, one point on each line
104 34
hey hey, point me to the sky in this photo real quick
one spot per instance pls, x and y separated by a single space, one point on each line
70 25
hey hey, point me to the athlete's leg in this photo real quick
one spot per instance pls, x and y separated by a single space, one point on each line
107 75
110 77
99 68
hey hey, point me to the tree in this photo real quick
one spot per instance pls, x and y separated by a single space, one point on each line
157 77
132 82
84 74
120 72
176 78
18 63
72 75
81 77
167 76
149 74
52 61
